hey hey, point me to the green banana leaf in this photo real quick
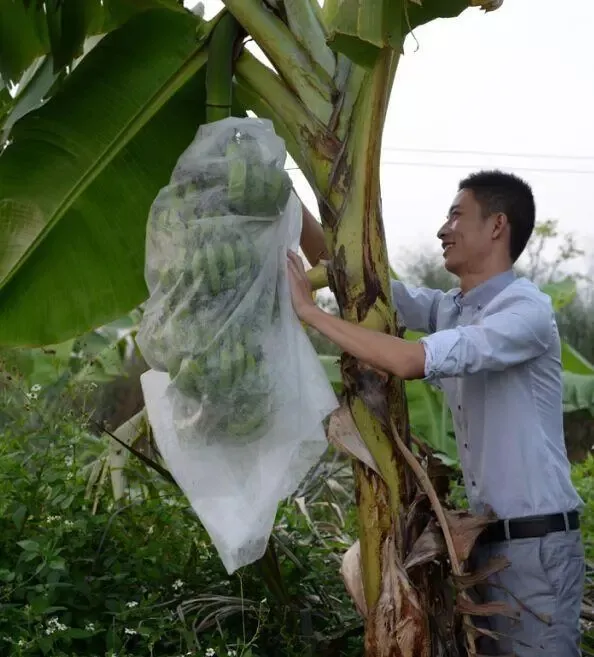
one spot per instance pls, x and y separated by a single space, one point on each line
578 392
59 28
573 361
578 380
34 86
331 365
80 174
562 292
360 29
431 419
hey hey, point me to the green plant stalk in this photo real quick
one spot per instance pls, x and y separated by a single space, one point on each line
287 56
310 141
375 525
350 94
251 100
362 286
306 24
219 70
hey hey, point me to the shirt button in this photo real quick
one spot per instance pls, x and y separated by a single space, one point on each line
466 445
473 482
459 407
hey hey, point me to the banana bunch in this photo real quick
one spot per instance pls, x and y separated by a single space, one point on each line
231 380
213 309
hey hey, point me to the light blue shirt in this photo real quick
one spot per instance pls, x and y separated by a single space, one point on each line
496 354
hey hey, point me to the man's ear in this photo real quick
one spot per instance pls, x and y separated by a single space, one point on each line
500 224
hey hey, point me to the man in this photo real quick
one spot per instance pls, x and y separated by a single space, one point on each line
494 348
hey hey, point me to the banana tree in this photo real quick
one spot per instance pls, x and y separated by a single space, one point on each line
105 125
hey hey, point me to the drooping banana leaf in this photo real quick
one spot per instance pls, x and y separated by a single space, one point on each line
77 181
32 29
360 29
578 392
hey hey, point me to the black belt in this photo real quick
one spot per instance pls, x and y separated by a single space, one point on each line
530 527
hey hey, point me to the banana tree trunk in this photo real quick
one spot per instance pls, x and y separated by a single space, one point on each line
338 149
396 621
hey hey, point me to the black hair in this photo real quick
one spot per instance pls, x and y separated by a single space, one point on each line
496 191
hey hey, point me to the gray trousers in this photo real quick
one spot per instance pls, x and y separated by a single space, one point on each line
547 576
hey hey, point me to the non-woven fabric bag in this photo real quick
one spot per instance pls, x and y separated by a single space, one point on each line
236 396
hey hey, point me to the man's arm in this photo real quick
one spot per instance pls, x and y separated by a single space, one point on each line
313 242
403 358
521 330
416 306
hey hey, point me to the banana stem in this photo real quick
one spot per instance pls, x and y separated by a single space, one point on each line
310 140
318 276
287 56
219 70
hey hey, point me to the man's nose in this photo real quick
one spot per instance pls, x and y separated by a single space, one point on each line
442 232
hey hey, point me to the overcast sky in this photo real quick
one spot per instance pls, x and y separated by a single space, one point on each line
512 89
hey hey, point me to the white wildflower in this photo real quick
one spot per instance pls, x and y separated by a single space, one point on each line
68 523
209 652
36 388
54 625
68 461
21 642
131 604
177 585
53 519
231 653
31 395
151 529
129 631
69 475
90 627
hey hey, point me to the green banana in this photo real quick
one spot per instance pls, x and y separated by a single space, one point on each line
238 361
236 182
226 367
228 260
212 267
188 380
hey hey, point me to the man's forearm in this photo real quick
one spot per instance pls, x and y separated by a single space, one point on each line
313 242
400 357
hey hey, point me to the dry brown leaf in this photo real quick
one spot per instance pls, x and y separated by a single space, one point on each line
465 528
397 625
429 546
351 574
482 631
494 565
466 606
544 618
344 435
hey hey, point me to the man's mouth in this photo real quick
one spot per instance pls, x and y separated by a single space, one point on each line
446 246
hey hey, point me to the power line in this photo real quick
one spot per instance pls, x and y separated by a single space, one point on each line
443 165
475 166
540 156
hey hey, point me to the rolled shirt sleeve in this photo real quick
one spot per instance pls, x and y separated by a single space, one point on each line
517 331
416 306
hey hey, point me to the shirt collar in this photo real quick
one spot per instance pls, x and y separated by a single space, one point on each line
482 294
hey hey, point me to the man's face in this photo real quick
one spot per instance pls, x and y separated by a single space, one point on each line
466 236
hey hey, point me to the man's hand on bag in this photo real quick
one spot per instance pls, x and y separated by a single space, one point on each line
301 290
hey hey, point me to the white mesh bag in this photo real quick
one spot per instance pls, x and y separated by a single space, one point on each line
236 396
